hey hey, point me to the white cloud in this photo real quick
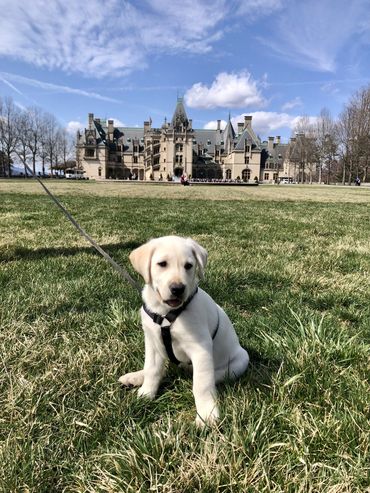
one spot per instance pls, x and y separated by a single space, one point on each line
12 86
266 123
258 8
106 39
73 126
226 91
53 87
313 33
116 37
330 88
117 122
212 125
294 103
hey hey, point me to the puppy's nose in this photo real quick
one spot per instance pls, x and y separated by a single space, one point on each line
177 289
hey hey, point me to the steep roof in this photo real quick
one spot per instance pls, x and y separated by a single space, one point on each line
229 135
248 137
180 117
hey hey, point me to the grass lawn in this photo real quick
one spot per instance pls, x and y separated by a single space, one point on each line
289 264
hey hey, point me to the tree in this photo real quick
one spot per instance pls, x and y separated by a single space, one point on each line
354 136
50 141
23 129
35 133
9 118
327 144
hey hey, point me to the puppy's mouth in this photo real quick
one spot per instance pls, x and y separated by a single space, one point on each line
174 302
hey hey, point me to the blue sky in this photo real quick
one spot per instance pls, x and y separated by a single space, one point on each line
129 60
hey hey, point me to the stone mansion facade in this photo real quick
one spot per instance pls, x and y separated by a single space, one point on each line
104 151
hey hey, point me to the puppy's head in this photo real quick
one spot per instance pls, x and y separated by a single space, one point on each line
171 266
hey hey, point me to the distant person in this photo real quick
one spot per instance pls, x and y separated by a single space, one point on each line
357 182
184 179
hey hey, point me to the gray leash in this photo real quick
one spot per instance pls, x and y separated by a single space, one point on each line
123 272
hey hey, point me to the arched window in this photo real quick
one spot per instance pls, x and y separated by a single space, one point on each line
228 174
246 174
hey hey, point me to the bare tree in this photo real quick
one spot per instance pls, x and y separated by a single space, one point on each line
49 141
35 134
9 117
327 144
354 136
22 149
304 150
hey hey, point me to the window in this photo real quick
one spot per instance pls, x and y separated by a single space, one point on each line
228 174
246 159
135 159
135 148
246 174
89 152
275 176
266 176
99 171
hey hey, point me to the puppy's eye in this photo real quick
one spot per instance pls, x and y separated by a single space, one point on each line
188 266
162 264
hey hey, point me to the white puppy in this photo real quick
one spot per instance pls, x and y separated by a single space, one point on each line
201 332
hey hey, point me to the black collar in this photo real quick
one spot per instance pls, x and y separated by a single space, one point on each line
165 331
171 315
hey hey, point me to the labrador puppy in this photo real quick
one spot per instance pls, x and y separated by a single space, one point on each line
201 333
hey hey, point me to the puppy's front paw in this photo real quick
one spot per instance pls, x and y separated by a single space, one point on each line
134 379
146 392
207 417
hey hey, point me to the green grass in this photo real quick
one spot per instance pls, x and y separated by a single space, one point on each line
290 265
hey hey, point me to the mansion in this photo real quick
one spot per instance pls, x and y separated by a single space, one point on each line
104 151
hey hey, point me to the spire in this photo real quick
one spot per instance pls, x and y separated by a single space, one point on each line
180 118
229 135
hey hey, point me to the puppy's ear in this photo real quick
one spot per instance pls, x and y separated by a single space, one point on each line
141 259
201 256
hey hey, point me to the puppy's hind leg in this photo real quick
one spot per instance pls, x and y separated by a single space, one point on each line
134 379
236 367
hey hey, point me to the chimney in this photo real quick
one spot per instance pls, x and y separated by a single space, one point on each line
91 121
278 139
219 125
190 124
110 130
247 121
146 126
240 128
270 144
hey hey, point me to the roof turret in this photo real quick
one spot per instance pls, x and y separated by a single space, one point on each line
229 135
180 118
